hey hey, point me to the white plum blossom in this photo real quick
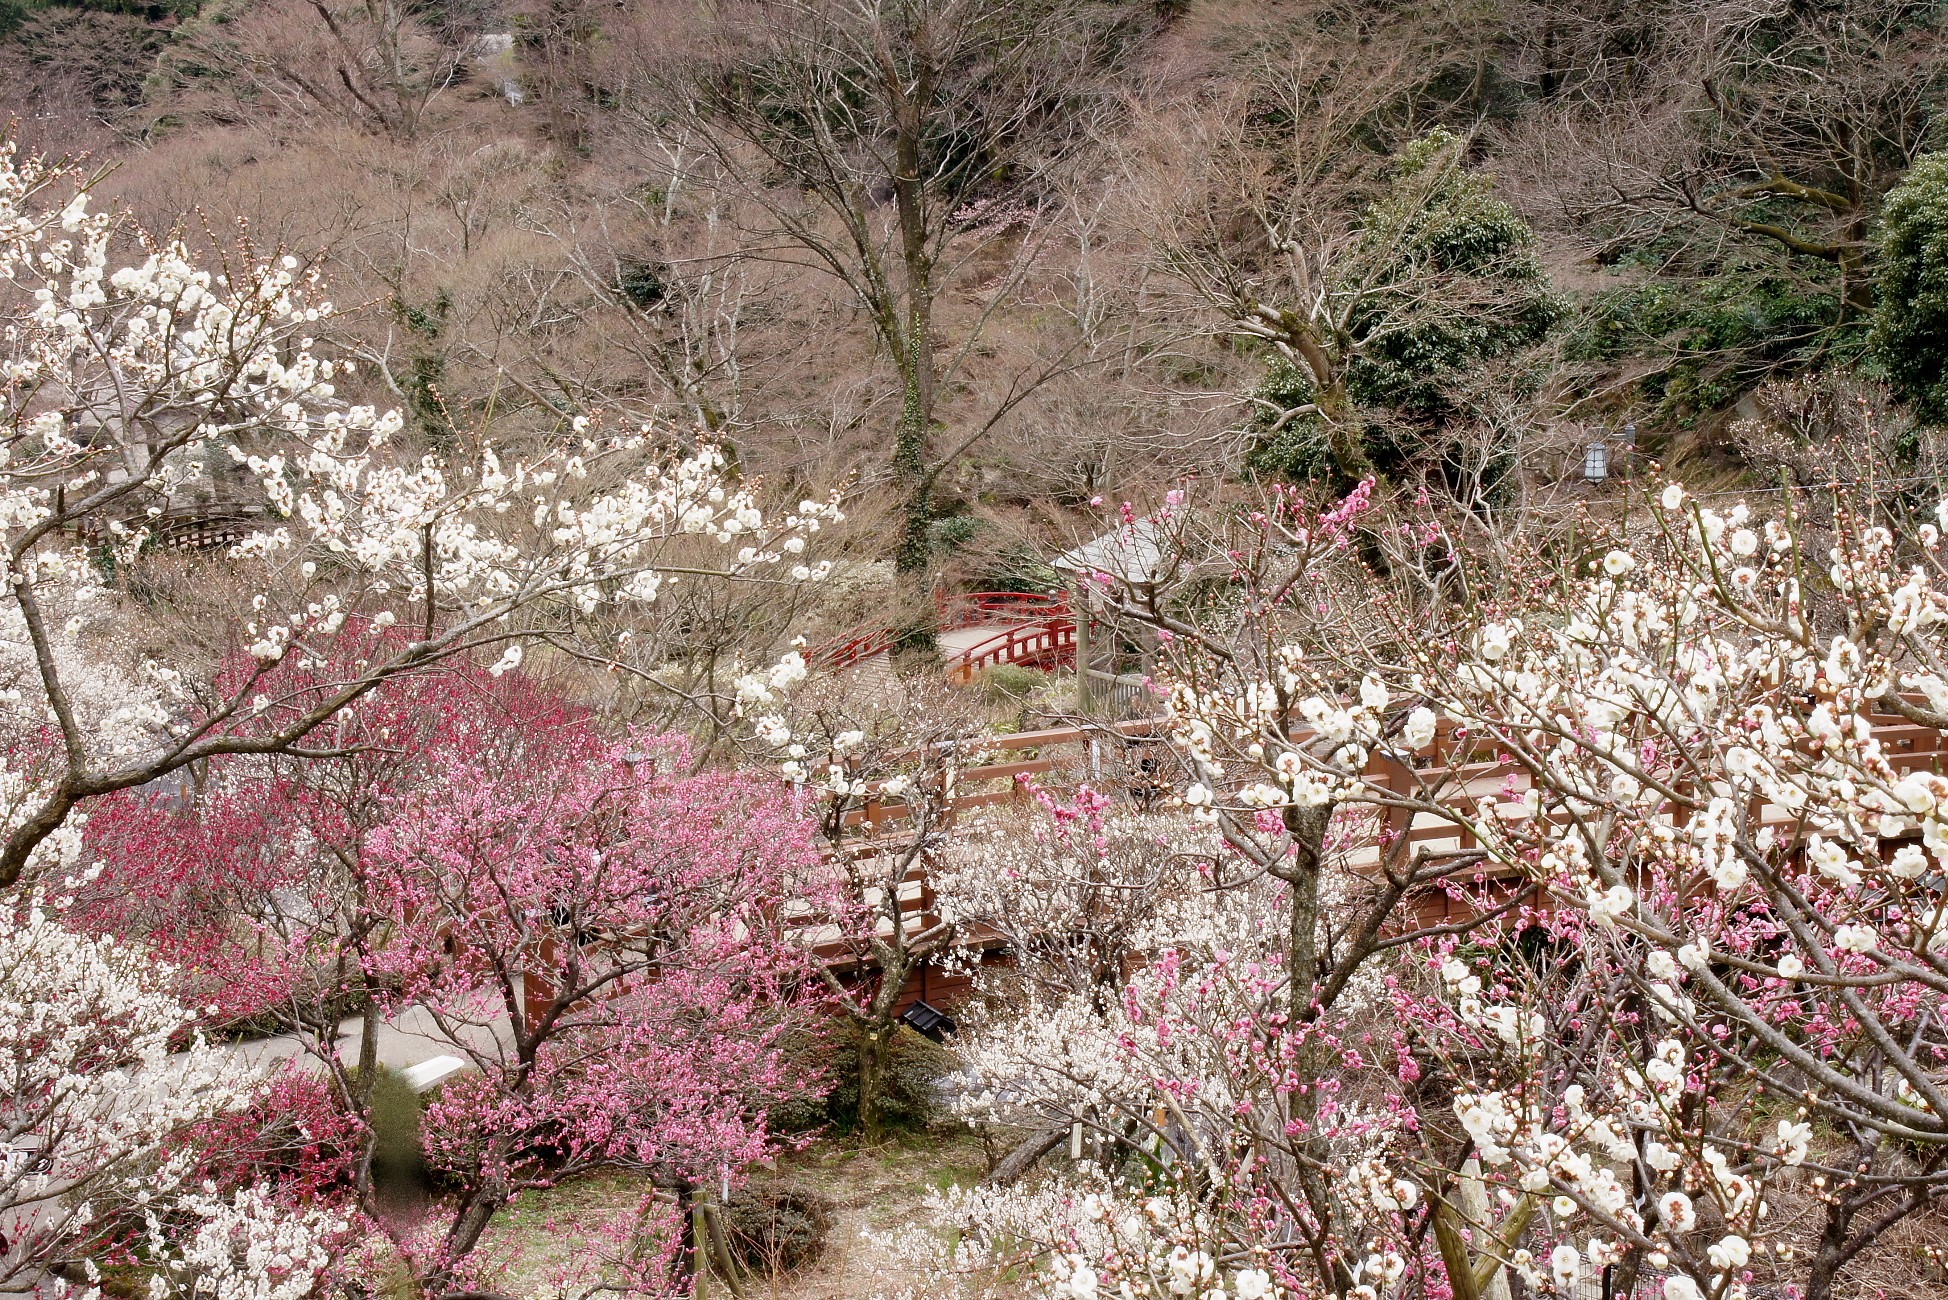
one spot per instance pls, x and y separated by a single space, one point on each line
1705 762
1794 1140
1674 1207
248 1247
1855 938
95 1087
128 388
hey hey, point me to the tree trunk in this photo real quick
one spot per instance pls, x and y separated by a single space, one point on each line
873 1042
911 101
1307 827
1019 1161
1831 1255
368 1070
916 613
477 1211
368 1043
910 468
686 1215
1344 438
1308 830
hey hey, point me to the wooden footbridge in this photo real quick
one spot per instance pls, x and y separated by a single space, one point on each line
979 630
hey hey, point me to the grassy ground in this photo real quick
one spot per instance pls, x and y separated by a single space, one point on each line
866 1189
543 1231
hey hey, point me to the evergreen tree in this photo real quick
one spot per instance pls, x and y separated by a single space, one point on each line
1910 335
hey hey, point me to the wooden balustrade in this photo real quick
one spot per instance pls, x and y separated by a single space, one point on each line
1127 756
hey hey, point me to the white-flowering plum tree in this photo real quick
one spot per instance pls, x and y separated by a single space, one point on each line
131 377
1674 1028
138 386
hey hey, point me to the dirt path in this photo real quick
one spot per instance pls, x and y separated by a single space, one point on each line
871 1190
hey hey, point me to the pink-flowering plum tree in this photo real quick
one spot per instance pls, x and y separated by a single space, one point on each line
142 386
595 929
601 936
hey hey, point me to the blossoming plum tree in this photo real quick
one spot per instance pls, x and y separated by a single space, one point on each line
1078 893
880 784
1708 739
130 375
97 1103
257 886
600 936
131 379
1239 1087
1682 1037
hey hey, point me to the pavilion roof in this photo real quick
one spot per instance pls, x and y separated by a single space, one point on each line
1135 553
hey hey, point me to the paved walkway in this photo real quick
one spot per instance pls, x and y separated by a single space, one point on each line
962 639
408 1039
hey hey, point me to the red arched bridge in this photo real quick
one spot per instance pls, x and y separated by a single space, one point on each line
976 631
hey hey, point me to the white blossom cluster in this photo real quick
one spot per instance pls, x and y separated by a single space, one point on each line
131 378
245 1247
1703 683
1170 1056
1322 765
119 377
1094 1237
1622 1163
93 1093
1113 883
1714 749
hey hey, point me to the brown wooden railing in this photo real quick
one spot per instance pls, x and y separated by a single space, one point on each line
185 528
1129 757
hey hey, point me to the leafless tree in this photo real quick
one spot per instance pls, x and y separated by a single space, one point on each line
1269 207
1768 125
375 64
901 147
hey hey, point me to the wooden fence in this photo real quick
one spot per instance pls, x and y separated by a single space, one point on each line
1131 758
185 528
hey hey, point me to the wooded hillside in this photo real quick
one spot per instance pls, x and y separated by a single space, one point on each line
999 259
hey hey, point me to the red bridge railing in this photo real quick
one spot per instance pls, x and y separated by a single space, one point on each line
1046 644
1041 634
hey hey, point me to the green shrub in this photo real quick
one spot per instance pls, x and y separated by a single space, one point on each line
952 533
1449 279
809 1054
915 1067
1286 446
1716 337
398 1161
1011 683
1462 284
1015 567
